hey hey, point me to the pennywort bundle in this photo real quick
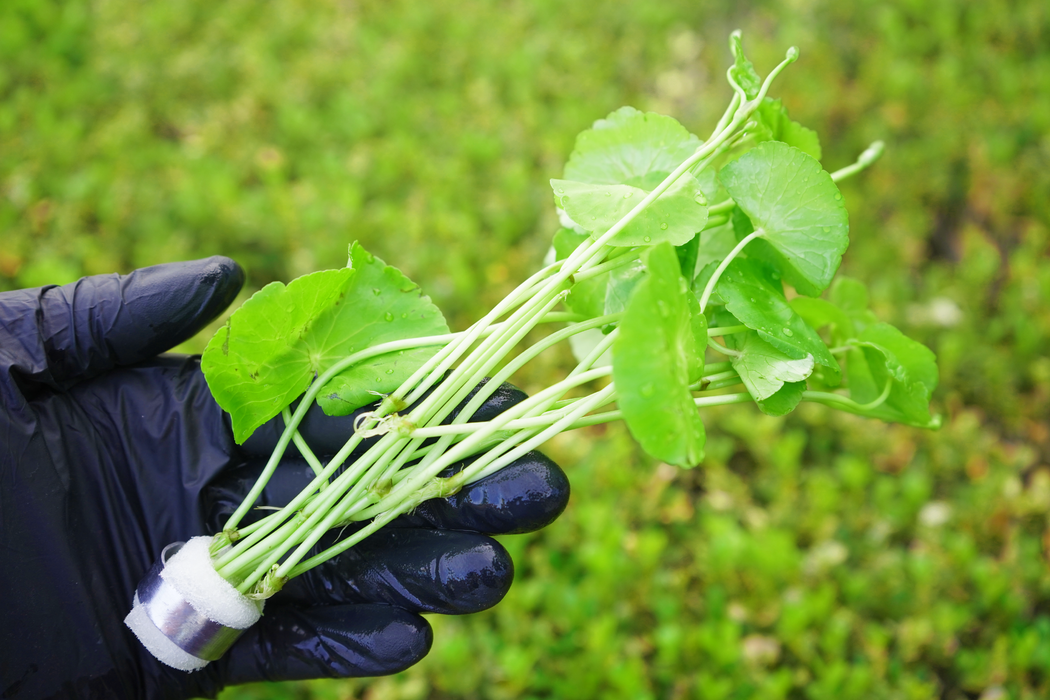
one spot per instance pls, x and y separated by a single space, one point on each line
668 277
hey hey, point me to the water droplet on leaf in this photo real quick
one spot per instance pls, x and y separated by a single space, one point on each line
647 239
377 292
663 227
648 390
628 195
389 316
788 332
390 371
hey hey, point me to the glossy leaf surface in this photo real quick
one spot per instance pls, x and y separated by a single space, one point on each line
742 71
784 400
284 336
630 148
787 195
755 297
676 216
763 368
774 124
651 364
884 355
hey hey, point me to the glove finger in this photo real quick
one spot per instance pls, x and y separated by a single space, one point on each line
526 495
346 641
326 435
426 571
65 334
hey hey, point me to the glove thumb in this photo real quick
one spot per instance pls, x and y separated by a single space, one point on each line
57 336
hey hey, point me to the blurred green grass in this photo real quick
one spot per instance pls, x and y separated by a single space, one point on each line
821 556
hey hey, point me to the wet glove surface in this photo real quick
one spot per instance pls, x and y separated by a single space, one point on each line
108 453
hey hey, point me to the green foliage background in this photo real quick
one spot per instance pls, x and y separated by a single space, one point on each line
818 556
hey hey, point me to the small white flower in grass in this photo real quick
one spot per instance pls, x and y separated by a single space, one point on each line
760 650
935 514
824 556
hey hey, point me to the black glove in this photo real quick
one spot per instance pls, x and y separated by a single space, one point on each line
108 453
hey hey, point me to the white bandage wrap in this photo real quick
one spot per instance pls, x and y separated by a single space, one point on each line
191 572
184 613
155 641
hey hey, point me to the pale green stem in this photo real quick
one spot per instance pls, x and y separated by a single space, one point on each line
597 270
303 448
710 288
721 348
715 222
304 406
871 154
288 568
827 397
727 116
726 330
701 402
720 376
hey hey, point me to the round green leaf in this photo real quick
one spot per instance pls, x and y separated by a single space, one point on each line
765 369
799 209
651 364
284 336
676 215
753 295
887 355
630 148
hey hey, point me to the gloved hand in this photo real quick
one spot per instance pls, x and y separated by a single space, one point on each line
108 453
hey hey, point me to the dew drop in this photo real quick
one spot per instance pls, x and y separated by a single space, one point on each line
788 332
390 371
647 239
594 218
377 292
663 227
627 195
648 390
561 191
838 196
404 315
389 316
752 299
608 194
827 229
